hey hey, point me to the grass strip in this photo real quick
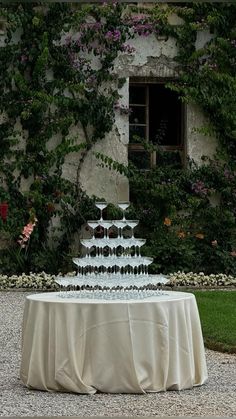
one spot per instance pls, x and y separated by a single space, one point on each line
217 310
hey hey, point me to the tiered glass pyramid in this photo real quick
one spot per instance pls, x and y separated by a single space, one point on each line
112 262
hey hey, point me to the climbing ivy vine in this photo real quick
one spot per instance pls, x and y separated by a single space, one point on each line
49 84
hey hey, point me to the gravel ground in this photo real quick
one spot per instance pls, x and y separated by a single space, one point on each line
216 398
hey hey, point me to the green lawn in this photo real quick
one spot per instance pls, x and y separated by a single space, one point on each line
217 311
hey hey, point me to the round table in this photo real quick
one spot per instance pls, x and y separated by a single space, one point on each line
115 346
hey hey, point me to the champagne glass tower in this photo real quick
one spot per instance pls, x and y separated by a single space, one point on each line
112 263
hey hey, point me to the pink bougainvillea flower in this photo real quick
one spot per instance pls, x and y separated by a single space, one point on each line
127 48
114 35
23 58
199 188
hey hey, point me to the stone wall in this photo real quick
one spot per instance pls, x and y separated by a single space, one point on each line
153 58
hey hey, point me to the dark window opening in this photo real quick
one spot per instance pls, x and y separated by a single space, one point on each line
156 117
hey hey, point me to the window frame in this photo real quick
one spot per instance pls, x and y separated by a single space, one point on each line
147 82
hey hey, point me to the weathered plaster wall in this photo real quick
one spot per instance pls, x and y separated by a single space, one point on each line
153 58
102 181
198 144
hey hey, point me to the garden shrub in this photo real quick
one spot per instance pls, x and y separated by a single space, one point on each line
186 214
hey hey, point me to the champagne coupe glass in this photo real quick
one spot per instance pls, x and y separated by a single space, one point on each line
120 225
123 206
101 206
132 224
93 225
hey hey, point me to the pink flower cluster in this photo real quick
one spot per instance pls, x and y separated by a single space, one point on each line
213 66
23 58
124 110
79 63
229 175
113 35
144 29
140 25
26 233
127 48
199 188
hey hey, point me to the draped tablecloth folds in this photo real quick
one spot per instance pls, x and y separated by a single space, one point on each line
128 346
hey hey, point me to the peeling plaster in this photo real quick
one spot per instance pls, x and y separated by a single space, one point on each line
103 182
121 120
198 145
153 57
203 37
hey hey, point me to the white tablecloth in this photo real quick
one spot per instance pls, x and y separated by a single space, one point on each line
133 346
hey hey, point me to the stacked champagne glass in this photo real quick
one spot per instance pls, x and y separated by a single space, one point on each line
112 267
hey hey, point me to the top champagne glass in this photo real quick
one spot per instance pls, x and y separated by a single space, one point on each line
101 206
123 206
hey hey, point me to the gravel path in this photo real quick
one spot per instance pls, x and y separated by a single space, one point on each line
216 398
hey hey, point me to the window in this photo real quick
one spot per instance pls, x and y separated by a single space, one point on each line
156 117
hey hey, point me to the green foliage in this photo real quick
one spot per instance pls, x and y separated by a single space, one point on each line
188 217
198 202
208 74
47 87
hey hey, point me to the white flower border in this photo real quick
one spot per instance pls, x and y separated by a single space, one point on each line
192 279
44 281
